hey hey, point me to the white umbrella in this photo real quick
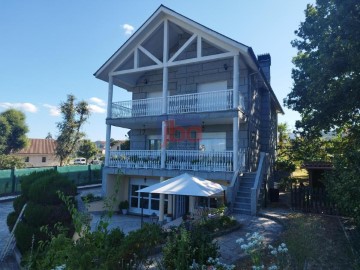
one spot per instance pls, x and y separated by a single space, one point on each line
185 184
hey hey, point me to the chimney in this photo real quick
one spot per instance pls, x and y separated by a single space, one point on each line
265 63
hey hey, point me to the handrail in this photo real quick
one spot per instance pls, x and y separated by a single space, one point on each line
255 190
9 244
235 183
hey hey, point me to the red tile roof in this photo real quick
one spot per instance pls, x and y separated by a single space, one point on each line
39 146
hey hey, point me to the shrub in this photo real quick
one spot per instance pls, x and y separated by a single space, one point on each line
19 203
43 190
44 207
11 220
184 247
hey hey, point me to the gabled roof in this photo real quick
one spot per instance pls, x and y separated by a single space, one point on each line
39 146
246 53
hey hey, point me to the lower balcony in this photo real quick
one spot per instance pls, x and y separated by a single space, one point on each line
191 160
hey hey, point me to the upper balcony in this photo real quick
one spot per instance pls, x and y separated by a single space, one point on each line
178 104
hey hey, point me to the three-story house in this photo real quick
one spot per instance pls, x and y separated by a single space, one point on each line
201 103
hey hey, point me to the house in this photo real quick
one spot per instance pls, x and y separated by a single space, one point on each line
201 103
100 146
39 153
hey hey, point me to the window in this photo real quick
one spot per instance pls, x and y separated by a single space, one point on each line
214 141
43 159
154 142
27 159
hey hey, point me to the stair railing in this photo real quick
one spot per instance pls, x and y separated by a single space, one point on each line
235 181
259 178
9 246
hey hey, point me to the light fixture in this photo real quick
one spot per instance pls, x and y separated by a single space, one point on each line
145 179
253 136
145 81
225 66
203 126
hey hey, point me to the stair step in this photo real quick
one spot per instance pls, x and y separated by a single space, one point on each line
243 199
242 205
248 185
243 194
242 211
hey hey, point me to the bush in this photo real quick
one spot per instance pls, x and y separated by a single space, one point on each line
44 207
11 220
19 203
43 190
183 247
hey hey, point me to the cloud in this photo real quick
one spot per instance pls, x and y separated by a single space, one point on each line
96 109
27 107
98 101
129 29
53 110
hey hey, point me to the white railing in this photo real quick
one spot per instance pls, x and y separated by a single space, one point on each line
137 107
201 102
199 160
196 102
135 159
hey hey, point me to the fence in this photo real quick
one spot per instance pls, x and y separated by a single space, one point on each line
312 200
80 175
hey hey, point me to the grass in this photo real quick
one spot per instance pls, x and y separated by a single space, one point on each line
314 242
317 242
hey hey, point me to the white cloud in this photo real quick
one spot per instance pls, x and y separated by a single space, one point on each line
96 109
53 110
98 101
27 107
129 29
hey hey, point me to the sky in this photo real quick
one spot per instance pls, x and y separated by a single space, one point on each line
49 49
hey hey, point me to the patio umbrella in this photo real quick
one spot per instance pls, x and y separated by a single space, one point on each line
185 184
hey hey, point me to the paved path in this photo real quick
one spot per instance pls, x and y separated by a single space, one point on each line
230 251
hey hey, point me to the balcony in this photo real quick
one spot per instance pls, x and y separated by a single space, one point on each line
191 160
189 103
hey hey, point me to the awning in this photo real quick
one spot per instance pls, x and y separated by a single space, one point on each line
185 184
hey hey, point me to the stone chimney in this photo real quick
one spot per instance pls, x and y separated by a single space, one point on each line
265 63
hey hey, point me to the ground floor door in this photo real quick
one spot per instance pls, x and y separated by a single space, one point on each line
149 203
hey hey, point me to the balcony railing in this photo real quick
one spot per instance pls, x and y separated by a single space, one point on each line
175 159
199 160
137 107
197 102
135 159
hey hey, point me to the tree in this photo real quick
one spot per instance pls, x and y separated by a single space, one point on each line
125 145
48 136
74 117
326 76
13 131
87 149
10 162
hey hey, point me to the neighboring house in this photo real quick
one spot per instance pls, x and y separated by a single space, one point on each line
39 153
101 146
117 145
201 103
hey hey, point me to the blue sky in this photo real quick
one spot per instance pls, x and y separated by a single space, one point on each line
49 49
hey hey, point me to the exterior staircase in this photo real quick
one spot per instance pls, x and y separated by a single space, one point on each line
242 204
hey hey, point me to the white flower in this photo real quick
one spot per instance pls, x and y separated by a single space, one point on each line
273 267
274 252
270 247
240 240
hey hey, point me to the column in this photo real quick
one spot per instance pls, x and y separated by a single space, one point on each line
236 119
108 126
161 203
236 78
163 144
165 68
191 204
235 143
170 204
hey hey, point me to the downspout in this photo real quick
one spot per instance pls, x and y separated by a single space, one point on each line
248 111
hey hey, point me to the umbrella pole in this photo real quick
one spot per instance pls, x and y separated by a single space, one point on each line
142 209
